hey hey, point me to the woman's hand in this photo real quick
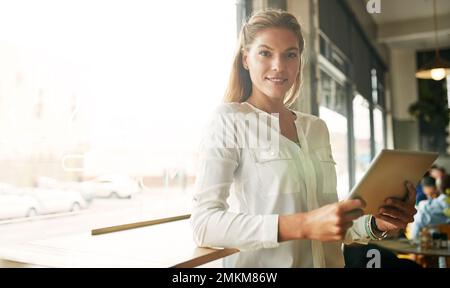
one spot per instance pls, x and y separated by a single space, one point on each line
396 214
327 223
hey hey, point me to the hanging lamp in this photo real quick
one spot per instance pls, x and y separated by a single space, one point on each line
438 69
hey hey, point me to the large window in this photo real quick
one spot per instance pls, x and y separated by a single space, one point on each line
350 58
106 98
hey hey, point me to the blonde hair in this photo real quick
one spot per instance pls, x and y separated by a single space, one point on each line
240 85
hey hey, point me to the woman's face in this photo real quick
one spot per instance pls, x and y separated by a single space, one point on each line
273 60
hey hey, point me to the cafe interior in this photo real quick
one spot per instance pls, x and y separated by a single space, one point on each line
100 121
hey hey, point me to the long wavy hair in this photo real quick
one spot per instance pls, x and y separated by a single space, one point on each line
240 85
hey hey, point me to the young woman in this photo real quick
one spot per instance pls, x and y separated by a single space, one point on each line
286 211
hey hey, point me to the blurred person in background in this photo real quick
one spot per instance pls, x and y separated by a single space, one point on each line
437 173
429 187
420 195
433 211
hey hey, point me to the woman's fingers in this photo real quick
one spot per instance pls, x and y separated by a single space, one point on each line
401 210
349 205
396 222
400 205
352 215
395 213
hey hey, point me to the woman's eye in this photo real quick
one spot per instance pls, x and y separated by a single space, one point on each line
264 53
292 55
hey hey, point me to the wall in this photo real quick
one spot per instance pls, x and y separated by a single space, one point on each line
404 93
369 26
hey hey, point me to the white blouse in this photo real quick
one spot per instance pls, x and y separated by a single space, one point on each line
264 182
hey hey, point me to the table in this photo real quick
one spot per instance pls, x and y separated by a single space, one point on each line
405 246
425 257
164 245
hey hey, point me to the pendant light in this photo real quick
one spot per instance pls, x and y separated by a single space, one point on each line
438 69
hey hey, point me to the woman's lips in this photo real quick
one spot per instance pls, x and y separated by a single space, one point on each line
276 80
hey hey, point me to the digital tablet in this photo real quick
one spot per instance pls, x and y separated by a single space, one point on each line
387 174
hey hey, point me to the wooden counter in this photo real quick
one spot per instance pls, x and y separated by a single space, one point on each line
163 245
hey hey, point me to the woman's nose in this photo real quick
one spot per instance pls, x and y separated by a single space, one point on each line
278 63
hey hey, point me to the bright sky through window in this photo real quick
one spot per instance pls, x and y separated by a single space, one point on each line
145 74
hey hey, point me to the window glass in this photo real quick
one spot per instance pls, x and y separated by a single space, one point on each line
361 126
378 124
333 111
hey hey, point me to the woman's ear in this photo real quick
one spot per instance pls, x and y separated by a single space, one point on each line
244 59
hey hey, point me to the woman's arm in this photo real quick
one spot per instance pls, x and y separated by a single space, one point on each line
213 225
328 223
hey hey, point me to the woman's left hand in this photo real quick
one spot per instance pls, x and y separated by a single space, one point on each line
396 214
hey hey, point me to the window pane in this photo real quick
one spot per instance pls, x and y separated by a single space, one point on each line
361 124
378 124
332 111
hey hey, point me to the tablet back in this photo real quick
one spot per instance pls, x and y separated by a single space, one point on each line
387 174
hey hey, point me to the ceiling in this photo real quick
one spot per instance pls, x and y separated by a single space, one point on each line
401 10
409 24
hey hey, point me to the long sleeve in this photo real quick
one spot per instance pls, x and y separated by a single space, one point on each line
358 232
213 225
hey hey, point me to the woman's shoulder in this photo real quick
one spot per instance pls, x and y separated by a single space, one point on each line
310 120
223 112
230 107
306 117
314 128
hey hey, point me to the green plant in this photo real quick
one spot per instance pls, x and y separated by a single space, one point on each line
432 112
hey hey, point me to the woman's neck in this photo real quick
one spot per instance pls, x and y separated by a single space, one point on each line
266 104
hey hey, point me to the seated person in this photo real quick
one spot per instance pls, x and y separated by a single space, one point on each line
419 190
429 188
438 173
433 211
419 194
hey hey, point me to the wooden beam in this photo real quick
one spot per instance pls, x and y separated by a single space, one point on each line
123 227
205 255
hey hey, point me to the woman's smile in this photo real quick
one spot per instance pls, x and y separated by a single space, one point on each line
277 80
